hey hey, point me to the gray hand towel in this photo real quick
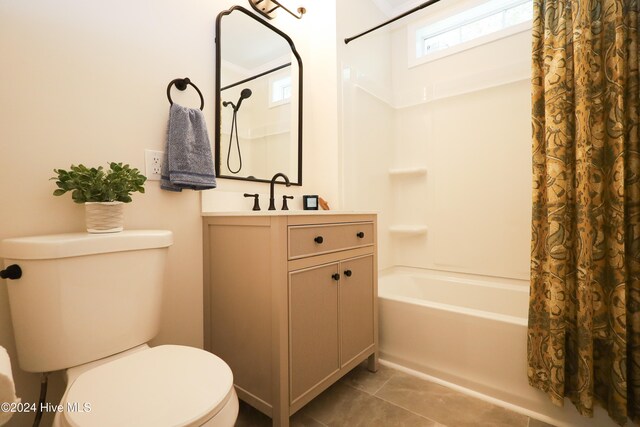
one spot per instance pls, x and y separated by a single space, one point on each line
188 162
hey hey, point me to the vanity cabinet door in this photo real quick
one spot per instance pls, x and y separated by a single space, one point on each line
356 307
313 327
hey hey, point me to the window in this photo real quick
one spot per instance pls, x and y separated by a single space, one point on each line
477 25
279 91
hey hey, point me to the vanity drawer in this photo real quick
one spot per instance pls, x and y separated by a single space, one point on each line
307 240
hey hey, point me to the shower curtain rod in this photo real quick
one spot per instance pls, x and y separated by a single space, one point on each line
409 12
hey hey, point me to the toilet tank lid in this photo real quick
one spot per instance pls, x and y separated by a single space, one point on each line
80 244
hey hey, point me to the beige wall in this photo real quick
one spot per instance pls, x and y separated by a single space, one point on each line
85 82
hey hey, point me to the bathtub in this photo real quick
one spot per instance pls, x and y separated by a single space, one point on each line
467 332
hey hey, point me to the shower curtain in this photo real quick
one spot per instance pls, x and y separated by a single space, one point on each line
584 311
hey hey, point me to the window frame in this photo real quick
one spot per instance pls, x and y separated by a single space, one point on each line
416 32
272 83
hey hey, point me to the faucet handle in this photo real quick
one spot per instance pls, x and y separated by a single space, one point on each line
284 202
256 200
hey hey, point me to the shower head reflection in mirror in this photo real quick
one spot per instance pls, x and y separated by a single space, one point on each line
246 93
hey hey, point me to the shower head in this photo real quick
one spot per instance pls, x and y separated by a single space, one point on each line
246 93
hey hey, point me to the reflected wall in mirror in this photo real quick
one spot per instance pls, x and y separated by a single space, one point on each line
258 100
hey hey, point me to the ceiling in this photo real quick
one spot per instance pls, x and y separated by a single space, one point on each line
393 8
250 45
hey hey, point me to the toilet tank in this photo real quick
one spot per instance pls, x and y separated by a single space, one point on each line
84 296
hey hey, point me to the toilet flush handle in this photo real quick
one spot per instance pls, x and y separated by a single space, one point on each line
12 272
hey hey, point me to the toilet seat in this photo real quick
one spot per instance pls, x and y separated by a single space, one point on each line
167 385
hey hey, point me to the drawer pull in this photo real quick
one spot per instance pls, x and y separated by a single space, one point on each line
360 234
318 240
347 273
335 276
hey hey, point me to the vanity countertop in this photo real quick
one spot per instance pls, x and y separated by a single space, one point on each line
287 213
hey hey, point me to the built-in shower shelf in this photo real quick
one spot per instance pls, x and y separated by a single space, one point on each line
408 230
408 172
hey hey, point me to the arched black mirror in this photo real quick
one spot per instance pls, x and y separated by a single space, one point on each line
258 128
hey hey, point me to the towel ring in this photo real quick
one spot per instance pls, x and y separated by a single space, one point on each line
181 84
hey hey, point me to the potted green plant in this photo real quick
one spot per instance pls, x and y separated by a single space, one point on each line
103 192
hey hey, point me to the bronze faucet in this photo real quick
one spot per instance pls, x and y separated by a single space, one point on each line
272 204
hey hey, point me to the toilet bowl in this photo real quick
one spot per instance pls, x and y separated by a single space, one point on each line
168 385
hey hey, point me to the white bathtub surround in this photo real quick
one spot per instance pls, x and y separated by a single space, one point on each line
468 332
444 145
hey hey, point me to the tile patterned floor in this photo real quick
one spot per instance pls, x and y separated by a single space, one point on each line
391 398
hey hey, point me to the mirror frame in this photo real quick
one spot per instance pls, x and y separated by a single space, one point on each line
218 123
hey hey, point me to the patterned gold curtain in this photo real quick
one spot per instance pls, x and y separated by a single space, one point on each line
584 311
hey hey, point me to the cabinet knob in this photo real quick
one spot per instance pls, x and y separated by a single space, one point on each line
335 276
347 273
360 234
318 240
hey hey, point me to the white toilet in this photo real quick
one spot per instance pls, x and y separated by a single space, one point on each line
89 303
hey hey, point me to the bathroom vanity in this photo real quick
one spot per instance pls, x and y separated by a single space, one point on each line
290 302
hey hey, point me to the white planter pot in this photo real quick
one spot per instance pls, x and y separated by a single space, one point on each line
104 217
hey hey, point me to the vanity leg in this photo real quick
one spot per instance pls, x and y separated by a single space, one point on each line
372 362
280 421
